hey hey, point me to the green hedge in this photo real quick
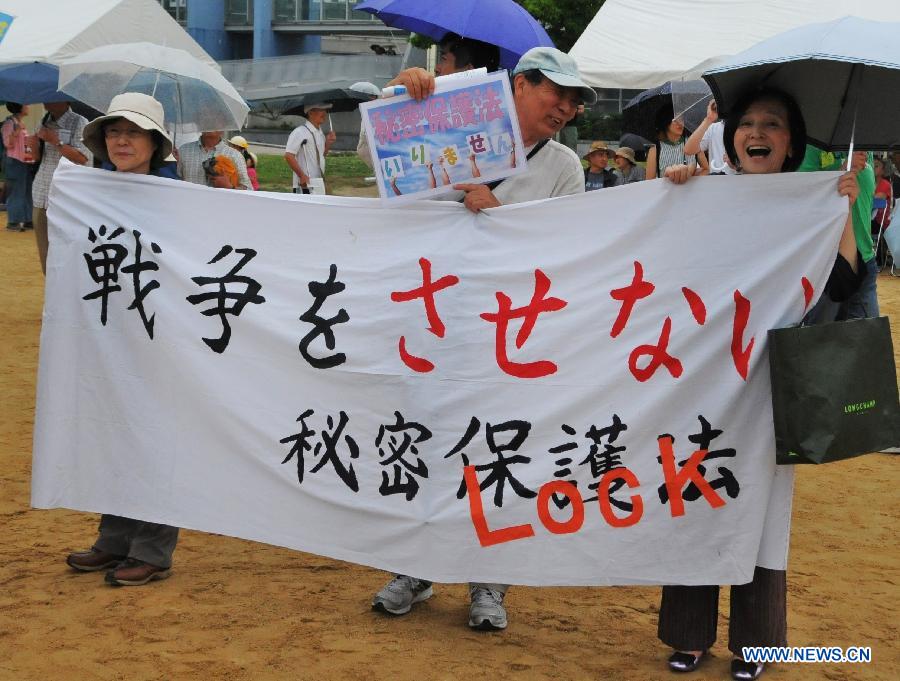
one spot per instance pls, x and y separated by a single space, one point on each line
597 126
275 176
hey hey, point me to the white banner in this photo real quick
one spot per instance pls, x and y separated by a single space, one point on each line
338 377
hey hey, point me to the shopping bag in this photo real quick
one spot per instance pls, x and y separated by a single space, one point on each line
834 390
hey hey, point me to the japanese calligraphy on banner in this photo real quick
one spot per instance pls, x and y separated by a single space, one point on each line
468 131
570 391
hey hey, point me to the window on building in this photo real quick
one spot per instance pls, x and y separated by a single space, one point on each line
611 101
359 16
176 8
296 11
238 11
334 10
285 11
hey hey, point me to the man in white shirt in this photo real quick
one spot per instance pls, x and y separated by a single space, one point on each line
708 138
60 132
547 90
307 147
192 155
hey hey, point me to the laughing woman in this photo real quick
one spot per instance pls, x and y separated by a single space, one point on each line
130 138
765 133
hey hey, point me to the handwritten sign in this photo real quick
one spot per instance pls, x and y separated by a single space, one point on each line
467 131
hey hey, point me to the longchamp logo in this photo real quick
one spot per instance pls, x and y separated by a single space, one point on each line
859 407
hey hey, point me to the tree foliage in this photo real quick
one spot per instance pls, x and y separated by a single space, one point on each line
423 42
593 125
564 20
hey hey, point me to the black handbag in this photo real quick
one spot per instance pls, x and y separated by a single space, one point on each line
834 390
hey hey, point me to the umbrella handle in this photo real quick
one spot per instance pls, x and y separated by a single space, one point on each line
156 82
852 135
856 79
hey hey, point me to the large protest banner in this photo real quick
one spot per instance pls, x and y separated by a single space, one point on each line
516 396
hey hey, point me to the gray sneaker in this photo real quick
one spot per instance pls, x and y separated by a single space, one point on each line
400 594
486 611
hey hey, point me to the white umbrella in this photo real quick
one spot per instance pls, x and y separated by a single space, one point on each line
194 95
42 34
844 75
687 100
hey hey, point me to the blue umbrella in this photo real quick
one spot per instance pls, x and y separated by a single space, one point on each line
30 82
499 22
844 75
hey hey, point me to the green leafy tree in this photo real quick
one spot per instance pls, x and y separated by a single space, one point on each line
423 42
594 125
564 20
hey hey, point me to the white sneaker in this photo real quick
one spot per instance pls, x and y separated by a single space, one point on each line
486 611
399 595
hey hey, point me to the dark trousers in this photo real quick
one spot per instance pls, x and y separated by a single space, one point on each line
688 614
148 542
18 188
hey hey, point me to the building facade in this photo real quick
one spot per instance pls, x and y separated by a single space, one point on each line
252 29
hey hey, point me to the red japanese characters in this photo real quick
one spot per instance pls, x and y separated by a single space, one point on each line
676 478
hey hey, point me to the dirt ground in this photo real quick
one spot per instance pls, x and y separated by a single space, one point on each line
241 611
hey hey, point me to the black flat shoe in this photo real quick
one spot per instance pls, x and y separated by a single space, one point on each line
745 671
685 662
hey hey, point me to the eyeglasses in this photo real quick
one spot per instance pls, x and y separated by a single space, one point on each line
129 134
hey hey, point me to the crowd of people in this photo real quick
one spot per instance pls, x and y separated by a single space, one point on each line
764 133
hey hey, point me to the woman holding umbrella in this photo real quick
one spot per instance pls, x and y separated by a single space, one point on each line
669 148
764 133
130 138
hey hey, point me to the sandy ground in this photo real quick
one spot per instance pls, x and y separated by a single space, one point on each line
237 610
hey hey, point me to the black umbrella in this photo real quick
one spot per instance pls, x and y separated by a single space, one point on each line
637 144
640 114
341 99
